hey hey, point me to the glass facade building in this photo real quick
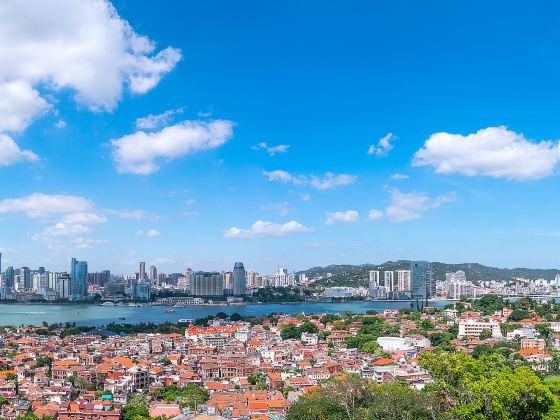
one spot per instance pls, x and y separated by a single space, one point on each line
78 279
423 281
239 279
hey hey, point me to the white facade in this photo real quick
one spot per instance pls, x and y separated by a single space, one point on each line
403 280
473 328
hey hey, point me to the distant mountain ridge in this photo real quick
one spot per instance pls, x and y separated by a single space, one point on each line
357 275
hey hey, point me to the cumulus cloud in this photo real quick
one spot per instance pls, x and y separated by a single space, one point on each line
152 233
72 215
43 205
19 103
375 214
398 177
326 182
494 151
62 229
81 45
152 121
383 146
349 216
410 206
10 152
264 228
84 218
139 153
272 150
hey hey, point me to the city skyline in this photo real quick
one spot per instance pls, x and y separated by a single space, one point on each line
208 135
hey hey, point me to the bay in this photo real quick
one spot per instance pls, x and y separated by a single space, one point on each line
95 315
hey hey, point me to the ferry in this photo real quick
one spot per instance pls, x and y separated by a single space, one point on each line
107 304
169 311
185 321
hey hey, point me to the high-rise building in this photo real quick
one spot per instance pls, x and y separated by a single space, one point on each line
26 276
373 282
9 277
153 274
389 281
78 279
403 280
207 284
141 290
423 282
63 284
239 279
284 279
142 271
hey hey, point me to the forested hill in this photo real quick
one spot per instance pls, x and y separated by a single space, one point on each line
357 275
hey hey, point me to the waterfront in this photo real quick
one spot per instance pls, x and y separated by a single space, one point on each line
95 315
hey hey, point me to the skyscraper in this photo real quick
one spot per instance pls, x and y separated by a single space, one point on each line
207 284
26 275
78 282
373 282
153 274
239 279
142 271
389 281
423 282
9 278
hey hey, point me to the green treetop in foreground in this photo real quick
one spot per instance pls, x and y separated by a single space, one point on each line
463 388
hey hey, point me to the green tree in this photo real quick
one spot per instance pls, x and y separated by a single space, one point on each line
235 317
137 408
485 334
317 405
290 331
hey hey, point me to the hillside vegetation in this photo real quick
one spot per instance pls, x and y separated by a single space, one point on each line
357 275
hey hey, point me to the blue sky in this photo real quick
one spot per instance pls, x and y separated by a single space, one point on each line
281 133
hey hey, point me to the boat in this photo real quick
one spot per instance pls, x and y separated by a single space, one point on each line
185 321
107 304
169 311
179 305
122 317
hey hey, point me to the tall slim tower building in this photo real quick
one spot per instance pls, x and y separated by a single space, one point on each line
423 282
153 273
239 279
142 271
78 279
26 276
9 278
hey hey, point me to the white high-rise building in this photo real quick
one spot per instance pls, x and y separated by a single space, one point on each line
284 279
389 281
373 282
403 280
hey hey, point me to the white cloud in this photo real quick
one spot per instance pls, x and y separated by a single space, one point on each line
398 177
410 206
82 242
84 218
152 121
191 213
137 153
10 152
19 102
383 146
81 45
282 208
494 151
272 150
375 214
43 205
349 216
326 182
152 233
264 228
60 124
62 229
285 177
330 181
136 214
